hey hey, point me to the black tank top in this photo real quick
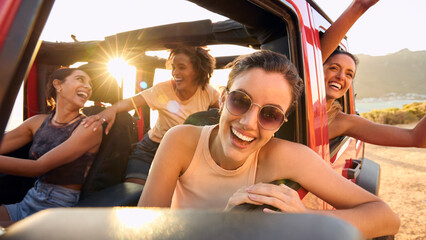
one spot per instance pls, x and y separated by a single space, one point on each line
47 137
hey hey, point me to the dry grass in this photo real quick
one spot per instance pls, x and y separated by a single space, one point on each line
403 180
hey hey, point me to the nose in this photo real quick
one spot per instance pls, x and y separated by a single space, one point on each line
249 119
175 72
88 85
341 75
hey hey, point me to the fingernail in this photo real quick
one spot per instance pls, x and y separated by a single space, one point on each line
249 188
86 125
252 196
94 129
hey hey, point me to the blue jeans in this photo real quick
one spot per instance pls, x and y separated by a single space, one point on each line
141 158
40 197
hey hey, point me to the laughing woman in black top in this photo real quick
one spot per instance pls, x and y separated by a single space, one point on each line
62 150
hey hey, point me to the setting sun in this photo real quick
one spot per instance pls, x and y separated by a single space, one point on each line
124 74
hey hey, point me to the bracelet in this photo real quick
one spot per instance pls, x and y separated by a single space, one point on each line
136 109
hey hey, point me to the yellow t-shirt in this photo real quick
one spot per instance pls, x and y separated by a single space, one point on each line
171 110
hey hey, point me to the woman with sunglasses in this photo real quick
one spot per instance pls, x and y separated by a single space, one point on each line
228 164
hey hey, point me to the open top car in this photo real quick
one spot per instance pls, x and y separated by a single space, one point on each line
289 27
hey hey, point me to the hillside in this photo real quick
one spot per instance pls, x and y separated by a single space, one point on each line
401 73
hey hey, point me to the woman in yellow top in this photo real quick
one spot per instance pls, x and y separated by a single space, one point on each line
188 92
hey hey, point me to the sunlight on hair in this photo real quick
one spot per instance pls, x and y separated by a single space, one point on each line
77 64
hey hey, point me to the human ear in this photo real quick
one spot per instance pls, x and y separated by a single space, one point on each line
57 85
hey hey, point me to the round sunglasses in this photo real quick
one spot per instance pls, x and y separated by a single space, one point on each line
270 117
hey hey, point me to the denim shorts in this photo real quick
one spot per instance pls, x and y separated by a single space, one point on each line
141 158
40 197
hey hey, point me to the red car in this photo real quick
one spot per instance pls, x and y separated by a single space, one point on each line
291 27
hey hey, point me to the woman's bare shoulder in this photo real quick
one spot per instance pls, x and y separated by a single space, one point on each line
179 143
278 145
35 122
281 158
184 134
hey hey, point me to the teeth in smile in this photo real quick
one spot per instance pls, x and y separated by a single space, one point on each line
82 94
241 136
336 85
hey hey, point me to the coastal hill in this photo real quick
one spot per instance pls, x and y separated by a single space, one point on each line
396 74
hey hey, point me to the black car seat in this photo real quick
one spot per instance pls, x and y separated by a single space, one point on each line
107 171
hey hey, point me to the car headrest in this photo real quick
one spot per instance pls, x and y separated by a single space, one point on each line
105 87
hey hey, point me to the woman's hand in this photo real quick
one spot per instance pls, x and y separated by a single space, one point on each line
365 4
278 196
107 115
239 197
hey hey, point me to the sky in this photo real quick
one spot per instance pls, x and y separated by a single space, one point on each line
387 27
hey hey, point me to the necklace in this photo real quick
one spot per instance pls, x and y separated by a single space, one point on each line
63 124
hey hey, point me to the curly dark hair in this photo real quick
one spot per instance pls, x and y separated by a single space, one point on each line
270 62
201 60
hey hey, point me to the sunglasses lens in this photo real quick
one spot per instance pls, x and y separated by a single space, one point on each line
238 103
271 117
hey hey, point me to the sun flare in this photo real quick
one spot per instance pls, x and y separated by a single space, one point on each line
124 74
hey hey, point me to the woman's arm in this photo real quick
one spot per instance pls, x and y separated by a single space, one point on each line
81 141
21 135
171 160
337 31
353 204
109 113
379 134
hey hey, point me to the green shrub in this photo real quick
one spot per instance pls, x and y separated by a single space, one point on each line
407 114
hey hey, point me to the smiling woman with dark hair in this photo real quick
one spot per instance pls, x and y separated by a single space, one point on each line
187 93
57 157
339 71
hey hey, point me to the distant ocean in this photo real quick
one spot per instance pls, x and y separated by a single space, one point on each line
368 104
